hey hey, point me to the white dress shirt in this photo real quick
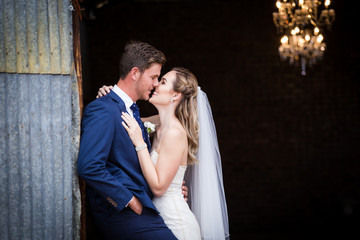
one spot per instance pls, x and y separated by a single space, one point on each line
127 100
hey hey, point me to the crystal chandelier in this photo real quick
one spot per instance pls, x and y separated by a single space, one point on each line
301 25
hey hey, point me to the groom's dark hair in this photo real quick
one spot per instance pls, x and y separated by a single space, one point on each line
141 55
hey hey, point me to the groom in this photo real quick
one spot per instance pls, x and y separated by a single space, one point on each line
117 193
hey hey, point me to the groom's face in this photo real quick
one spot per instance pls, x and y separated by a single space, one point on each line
148 81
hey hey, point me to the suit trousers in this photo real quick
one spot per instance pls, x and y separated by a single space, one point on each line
128 225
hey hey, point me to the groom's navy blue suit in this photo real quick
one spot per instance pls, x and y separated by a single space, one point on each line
109 165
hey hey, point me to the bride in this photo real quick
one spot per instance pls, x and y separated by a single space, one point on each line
185 139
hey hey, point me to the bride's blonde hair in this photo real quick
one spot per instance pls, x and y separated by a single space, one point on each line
186 111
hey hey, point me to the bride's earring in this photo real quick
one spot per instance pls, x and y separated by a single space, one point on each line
171 99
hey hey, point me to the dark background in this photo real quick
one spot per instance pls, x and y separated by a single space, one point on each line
289 143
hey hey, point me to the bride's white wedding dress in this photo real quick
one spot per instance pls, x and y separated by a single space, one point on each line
174 209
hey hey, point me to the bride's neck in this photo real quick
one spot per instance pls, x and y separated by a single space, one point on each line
166 117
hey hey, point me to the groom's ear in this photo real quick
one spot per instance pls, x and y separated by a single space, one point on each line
135 73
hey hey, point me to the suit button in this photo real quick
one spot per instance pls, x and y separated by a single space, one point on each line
112 202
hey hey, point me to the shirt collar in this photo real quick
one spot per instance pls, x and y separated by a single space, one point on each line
127 100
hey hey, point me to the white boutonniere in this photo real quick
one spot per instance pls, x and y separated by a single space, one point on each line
150 127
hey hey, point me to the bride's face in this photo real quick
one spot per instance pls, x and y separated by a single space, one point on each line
164 92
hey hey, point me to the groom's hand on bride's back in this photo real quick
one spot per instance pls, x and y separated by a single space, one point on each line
185 191
135 205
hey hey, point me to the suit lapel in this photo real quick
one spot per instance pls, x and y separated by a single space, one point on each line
121 104
122 108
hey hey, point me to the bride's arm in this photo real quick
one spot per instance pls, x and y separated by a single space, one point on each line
172 151
104 90
160 176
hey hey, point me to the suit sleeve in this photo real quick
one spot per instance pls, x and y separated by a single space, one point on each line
95 144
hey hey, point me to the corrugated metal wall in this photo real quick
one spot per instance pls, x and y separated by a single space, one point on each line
39 122
37 159
36 36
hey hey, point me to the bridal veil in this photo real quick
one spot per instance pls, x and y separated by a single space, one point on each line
206 191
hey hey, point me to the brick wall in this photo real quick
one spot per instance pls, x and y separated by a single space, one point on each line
289 144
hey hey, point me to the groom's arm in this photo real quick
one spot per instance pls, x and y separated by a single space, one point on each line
155 119
95 144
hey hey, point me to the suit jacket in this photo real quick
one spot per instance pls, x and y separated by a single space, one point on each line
107 160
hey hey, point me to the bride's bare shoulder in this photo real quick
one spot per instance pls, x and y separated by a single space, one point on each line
175 137
176 132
